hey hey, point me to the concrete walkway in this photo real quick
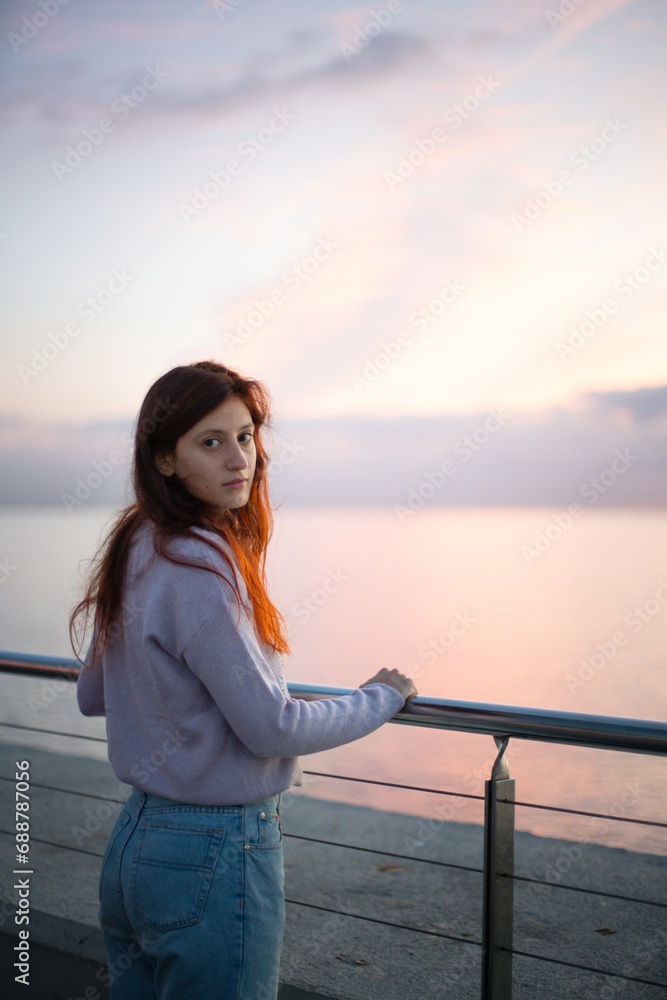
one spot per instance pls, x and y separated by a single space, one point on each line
328 955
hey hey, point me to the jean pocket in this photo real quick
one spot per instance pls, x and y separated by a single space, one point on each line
270 832
172 870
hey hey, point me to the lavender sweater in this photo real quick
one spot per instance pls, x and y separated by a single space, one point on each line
196 708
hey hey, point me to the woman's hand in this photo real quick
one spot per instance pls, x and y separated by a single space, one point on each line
395 679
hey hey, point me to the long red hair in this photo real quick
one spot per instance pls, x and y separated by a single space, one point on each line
174 404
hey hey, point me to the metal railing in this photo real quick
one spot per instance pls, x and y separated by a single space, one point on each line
503 723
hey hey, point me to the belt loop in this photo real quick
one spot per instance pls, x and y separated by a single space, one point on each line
138 798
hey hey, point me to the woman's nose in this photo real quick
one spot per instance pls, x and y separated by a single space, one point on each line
236 459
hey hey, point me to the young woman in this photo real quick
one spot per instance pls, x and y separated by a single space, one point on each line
185 662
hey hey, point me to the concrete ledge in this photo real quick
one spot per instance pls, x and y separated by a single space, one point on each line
66 959
327 956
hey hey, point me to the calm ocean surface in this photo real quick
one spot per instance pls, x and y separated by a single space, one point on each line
494 605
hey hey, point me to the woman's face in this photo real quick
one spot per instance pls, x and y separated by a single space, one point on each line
215 459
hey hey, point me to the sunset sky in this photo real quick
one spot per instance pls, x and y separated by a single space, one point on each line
417 208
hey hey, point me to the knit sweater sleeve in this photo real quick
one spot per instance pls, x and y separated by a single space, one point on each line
90 687
254 700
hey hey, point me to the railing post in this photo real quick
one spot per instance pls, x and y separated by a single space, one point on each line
498 910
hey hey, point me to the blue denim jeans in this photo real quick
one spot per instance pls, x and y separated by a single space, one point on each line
191 900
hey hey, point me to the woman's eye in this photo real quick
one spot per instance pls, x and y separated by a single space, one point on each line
247 435
210 443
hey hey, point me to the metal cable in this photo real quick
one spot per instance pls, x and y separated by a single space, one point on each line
54 732
50 843
582 812
391 784
586 968
592 892
319 774
387 923
69 791
465 795
294 836
368 781
387 854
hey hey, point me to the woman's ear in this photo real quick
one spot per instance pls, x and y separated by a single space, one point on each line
165 464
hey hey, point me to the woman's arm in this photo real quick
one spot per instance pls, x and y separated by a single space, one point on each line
270 723
90 687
